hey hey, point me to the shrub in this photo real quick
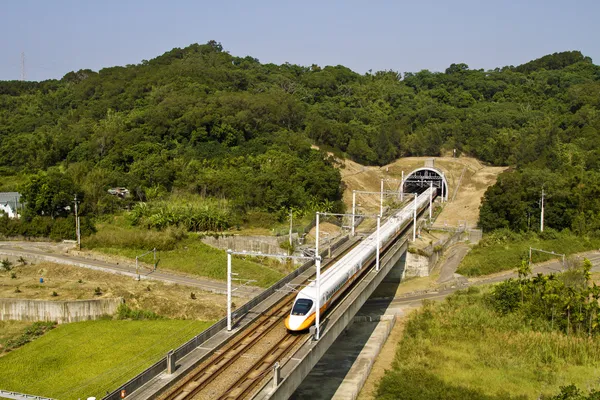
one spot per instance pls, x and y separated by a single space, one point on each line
38 226
98 291
506 296
125 312
32 332
6 264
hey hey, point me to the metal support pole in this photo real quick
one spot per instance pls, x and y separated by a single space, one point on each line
170 362
318 320
378 244
442 184
228 290
381 200
542 214
291 228
136 269
276 375
318 281
430 199
77 231
415 220
353 210
402 187
154 250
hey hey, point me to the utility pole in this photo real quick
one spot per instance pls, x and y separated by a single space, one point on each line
378 244
228 290
381 201
430 199
290 228
318 281
542 213
402 187
415 220
353 210
77 230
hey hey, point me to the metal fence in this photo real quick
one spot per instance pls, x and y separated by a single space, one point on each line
145 376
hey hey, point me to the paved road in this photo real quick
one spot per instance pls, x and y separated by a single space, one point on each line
56 253
451 261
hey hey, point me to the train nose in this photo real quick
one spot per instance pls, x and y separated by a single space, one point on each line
293 322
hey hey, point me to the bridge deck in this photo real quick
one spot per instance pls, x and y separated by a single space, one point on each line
299 365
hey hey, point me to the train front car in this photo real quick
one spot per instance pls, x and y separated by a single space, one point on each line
302 315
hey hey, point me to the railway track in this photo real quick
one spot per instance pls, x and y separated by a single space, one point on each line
237 369
245 359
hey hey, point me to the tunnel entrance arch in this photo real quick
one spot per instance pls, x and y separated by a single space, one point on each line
421 178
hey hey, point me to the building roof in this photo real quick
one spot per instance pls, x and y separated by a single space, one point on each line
10 198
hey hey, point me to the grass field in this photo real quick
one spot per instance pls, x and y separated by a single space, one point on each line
108 353
500 254
183 254
461 349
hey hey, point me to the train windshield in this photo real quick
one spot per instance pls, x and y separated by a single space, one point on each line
302 307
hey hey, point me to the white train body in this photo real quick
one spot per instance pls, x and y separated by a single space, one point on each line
339 276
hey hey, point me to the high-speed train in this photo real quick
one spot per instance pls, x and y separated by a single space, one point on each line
340 276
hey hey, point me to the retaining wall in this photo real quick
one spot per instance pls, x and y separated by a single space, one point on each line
60 311
263 244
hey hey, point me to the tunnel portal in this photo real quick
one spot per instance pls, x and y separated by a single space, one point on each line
422 178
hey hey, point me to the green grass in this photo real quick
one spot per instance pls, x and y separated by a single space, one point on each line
501 254
89 358
188 255
462 349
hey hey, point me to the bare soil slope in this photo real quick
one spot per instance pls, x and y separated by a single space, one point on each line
466 191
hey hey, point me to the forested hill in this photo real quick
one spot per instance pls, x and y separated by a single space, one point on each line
201 120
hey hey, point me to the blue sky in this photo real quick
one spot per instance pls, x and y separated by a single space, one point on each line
58 36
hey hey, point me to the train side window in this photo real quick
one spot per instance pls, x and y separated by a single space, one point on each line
302 307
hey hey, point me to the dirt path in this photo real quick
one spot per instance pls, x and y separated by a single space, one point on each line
56 253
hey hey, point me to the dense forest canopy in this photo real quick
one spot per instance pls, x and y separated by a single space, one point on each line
200 120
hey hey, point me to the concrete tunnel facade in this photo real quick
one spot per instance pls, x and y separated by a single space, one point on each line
422 178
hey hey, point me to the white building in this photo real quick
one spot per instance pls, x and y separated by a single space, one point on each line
9 203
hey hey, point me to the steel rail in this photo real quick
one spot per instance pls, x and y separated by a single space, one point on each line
201 378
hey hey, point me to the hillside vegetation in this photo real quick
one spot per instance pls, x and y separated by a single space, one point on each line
199 120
